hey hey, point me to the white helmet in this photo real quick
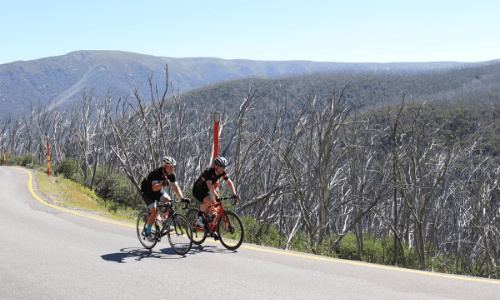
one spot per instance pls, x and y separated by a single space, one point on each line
169 161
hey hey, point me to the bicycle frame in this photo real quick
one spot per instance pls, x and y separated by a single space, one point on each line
168 208
175 226
219 208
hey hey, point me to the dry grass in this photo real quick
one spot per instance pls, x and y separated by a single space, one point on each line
67 193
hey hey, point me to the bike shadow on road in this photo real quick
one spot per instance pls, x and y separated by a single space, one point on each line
210 248
139 254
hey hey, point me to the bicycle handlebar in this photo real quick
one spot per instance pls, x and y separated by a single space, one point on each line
185 200
233 199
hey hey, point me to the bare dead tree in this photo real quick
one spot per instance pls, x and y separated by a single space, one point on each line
313 160
421 174
85 135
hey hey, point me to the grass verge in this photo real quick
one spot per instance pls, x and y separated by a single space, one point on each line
67 193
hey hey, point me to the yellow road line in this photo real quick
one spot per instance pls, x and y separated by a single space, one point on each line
357 263
30 185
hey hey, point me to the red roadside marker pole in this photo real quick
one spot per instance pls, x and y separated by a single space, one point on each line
216 134
4 156
48 159
216 139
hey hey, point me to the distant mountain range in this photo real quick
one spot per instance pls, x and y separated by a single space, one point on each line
60 80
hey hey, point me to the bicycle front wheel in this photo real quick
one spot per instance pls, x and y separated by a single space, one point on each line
179 234
142 224
199 234
230 230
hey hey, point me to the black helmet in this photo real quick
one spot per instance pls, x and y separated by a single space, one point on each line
169 161
220 161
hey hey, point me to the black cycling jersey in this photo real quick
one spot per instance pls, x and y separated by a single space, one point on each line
200 188
155 177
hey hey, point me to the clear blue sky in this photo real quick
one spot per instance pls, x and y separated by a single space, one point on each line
330 30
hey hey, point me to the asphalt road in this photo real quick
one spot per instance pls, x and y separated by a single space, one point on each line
49 253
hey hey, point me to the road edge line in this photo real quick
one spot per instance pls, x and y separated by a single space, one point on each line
30 185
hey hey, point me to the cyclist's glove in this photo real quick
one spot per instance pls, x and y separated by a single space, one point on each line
234 199
187 202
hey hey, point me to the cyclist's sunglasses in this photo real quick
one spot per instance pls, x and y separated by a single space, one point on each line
221 167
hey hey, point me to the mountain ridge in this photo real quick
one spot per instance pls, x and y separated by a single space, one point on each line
60 80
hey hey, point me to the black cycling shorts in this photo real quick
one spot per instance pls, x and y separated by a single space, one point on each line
148 195
201 194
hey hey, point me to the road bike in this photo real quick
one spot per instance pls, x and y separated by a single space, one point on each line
227 226
175 226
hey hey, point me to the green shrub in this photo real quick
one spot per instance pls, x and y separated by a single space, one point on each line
260 233
27 160
348 247
251 227
12 160
116 188
300 243
78 178
67 167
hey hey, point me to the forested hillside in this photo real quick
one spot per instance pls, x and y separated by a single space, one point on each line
409 161
366 89
60 81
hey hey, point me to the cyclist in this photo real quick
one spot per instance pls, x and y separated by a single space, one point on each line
204 191
152 185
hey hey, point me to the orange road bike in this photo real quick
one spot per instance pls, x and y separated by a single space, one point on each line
176 227
226 227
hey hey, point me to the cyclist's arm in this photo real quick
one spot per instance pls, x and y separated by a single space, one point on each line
177 190
156 186
212 190
231 186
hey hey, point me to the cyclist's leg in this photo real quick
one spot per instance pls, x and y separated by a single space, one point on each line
165 199
155 215
213 214
147 240
149 200
206 204
195 216
152 216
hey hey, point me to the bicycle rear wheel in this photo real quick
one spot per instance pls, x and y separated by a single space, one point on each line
199 234
179 234
142 224
230 229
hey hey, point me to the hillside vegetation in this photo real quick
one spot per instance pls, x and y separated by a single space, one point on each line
366 89
402 168
60 80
